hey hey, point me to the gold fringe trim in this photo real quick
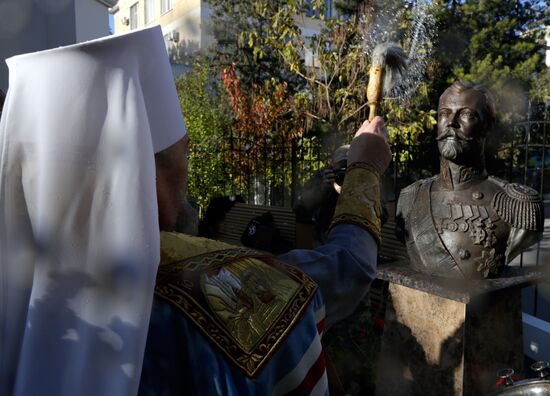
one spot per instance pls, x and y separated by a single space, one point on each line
520 206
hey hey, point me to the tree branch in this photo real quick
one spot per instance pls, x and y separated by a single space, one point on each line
352 114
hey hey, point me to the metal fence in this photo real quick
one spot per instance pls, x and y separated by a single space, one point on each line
263 173
526 160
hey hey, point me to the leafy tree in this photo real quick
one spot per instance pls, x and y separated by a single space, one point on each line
267 118
540 89
337 77
331 64
494 42
231 21
208 119
264 40
348 7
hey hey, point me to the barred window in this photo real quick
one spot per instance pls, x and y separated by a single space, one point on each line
134 16
165 6
149 11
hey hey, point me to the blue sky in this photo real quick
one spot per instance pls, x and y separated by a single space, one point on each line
111 23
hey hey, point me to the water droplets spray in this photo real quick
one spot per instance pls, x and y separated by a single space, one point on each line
385 24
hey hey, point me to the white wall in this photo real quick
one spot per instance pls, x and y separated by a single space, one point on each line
92 20
28 26
35 25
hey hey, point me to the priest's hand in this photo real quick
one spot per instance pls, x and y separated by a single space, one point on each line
370 146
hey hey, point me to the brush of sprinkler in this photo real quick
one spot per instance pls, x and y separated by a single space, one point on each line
389 63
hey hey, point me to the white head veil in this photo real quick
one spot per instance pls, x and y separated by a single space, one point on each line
79 237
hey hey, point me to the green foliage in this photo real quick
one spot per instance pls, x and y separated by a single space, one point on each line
334 69
406 125
494 42
329 70
308 150
540 90
208 119
237 25
348 7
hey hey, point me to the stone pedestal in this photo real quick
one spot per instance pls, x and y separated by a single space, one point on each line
445 337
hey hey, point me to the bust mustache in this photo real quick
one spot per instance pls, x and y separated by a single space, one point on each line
453 144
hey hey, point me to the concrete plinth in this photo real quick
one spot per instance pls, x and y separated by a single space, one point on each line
443 337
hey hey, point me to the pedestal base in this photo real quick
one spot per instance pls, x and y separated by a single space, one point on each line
439 340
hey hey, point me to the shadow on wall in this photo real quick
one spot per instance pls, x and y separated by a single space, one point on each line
182 52
400 378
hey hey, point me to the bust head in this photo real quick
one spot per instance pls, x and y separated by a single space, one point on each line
466 114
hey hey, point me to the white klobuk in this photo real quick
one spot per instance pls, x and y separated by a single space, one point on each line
79 233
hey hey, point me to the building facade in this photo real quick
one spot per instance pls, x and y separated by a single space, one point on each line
29 26
184 23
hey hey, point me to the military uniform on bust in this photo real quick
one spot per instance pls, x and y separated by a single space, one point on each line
468 232
462 222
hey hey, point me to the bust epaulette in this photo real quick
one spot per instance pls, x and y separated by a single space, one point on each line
519 205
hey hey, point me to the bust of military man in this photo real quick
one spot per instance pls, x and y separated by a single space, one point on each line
463 223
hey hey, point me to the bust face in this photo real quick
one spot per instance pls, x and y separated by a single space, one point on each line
461 125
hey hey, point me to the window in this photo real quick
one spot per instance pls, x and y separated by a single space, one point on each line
149 11
134 16
165 6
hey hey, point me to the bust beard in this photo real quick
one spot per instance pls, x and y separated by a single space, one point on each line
466 156
451 149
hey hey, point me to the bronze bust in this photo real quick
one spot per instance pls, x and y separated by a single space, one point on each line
462 222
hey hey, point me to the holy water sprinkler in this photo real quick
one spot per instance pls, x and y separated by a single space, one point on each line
389 62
